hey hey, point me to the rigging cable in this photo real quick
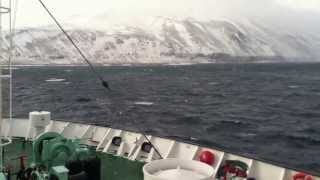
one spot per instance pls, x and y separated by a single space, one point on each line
12 25
10 61
103 82
12 31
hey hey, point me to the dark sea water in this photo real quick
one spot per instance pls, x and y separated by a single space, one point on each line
268 111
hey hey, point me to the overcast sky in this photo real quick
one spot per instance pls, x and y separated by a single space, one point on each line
299 12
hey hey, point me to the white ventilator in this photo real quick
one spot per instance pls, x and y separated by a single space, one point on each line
38 121
177 169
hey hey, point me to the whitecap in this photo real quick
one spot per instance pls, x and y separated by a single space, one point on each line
144 103
247 135
55 80
193 138
293 86
213 83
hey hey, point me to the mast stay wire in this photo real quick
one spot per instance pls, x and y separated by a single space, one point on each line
12 32
104 83
93 70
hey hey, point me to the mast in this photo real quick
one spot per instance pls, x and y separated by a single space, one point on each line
3 139
1 120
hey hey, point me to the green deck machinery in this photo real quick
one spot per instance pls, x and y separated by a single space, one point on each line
54 157
51 153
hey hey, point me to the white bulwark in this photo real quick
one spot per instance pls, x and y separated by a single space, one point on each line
131 143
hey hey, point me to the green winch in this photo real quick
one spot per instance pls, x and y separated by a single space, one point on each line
51 152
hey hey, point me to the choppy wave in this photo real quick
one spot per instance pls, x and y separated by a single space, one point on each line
257 107
304 138
83 99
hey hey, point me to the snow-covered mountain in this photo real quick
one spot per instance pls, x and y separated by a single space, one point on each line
164 40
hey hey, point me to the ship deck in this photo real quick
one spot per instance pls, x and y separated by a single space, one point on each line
125 161
112 167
